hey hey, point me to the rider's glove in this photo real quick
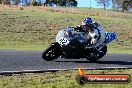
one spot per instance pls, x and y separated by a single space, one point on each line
79 28
76 28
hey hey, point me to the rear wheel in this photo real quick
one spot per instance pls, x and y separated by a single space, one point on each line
51 53
102 51
95 56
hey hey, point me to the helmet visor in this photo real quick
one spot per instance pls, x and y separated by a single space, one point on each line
88 26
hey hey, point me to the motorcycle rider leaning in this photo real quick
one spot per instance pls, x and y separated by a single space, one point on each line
94 31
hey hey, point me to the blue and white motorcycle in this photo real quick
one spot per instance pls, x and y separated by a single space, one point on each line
71 44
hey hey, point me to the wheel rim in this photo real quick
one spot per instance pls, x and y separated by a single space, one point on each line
51 53
93 55
97 54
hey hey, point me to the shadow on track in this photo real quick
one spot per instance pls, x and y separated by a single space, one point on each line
102 62
115 62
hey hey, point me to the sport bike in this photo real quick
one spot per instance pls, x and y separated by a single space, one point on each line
72 44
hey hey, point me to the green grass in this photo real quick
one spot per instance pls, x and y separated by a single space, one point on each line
61 79
119 50
32 30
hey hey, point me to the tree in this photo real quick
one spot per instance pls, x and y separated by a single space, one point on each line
126 4
71 3
61 2
4 2
104 3
116 4
66 3
32 2
122 5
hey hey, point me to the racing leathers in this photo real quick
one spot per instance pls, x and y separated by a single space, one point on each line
96 35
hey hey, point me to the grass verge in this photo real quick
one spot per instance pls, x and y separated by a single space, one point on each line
61 79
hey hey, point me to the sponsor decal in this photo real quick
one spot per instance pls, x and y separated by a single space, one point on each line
83 78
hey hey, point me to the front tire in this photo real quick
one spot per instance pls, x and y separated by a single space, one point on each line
51 53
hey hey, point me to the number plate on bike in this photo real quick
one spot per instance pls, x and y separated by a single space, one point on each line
63 41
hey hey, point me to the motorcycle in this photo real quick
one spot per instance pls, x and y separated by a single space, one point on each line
71 44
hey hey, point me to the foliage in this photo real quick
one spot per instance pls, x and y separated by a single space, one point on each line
116 4
104 3
34 3
66 3
124 5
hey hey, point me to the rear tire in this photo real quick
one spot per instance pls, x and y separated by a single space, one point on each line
95 56
51 53
103 52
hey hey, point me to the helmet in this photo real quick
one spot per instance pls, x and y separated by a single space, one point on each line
87 23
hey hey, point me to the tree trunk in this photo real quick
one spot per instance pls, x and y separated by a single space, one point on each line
15 2
32 2
104 7
113 4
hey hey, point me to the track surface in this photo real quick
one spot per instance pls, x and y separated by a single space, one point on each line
13 60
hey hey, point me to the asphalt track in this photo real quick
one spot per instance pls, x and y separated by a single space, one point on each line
15 60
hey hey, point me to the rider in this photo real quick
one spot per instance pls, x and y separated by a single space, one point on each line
94 31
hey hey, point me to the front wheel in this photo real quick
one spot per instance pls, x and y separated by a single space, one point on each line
51 53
